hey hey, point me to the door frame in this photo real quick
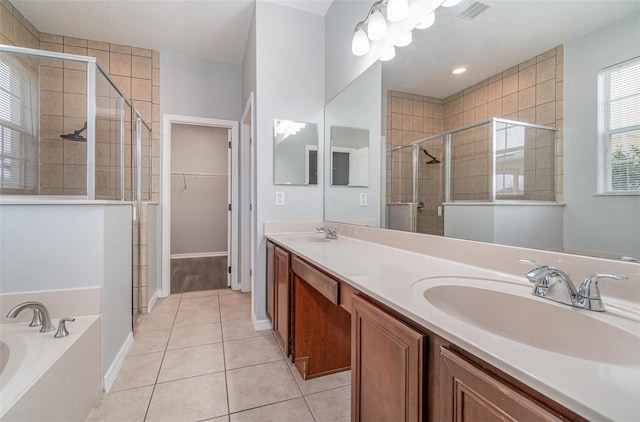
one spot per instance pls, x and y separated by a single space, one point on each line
165 195
247 195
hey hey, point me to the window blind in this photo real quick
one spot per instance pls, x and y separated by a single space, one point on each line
620 107
18 125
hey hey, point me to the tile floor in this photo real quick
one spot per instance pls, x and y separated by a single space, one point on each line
196 357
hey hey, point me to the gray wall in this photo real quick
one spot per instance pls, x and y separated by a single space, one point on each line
199 212
249 63
290 85
201 88
595 223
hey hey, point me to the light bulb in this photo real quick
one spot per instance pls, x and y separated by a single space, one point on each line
397 10
360 42
389 55
427 21
377 28
459 70
450 3
405 40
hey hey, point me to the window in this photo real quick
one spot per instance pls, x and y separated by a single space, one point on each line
619 120
18 125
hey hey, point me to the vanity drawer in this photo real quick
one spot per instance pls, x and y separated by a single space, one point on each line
325 285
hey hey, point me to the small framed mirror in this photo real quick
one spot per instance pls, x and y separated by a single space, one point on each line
295 152
349 156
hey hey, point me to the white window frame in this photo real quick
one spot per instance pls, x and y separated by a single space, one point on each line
605 163
19 118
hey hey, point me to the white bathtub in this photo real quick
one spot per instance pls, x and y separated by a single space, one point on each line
44 378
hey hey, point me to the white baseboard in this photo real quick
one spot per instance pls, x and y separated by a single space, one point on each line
114 368
197 255
152 301
260 324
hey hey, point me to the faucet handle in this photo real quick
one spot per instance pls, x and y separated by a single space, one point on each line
530 262
589 287
62 328
37 318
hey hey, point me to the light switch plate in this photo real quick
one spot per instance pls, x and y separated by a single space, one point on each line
363 199
279 199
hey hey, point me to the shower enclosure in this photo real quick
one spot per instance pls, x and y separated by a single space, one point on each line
69 133
495 161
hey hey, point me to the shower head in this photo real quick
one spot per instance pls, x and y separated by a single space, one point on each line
75 136
433 160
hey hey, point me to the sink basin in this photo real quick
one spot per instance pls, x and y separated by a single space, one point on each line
532 321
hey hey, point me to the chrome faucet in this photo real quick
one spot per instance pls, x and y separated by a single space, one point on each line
553 284
330 234
40 315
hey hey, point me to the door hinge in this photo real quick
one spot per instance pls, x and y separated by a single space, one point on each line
229 270
250 207
250 273
229 144
229 207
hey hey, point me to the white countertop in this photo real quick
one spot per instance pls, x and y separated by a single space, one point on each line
593 389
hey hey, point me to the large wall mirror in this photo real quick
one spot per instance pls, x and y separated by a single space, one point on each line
352 188
295 152
526 63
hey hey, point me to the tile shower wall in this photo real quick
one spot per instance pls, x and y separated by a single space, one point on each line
531 92
410 118
136 71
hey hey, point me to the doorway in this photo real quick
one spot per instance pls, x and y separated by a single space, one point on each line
199 207
199 191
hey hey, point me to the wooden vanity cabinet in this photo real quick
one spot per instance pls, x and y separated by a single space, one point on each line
387 366
400 370
282 298
321 329
468 393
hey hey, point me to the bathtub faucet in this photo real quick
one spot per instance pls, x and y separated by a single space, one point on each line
40 314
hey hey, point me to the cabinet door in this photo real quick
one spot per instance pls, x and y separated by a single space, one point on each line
387 361
467 393
283 298
270 299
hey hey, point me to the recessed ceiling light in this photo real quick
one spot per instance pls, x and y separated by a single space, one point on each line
459 70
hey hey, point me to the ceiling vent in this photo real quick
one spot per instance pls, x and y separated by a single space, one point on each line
473 11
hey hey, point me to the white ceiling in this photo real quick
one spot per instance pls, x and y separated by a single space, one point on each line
215 30
506 34
509 32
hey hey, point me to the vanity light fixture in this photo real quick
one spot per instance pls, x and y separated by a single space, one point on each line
377 26
404 40
427 21
360 42
374 26
459 70
389 55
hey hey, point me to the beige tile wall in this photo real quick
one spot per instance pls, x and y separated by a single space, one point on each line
530 92
410 118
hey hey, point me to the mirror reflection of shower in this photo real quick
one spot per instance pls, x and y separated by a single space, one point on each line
433 160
